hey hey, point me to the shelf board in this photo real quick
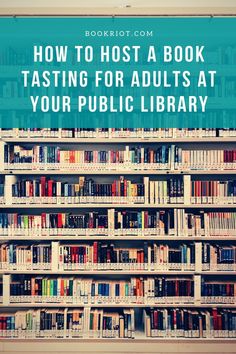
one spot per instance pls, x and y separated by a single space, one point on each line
124 305
100 272
138 345
118 238
119 140
140 339
116 206
117 272
116 172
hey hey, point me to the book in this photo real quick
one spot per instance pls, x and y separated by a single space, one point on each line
218 291
111 222
213 192
25 257
218 257
108 256
188 323
86 291
87 190
67 323
164 157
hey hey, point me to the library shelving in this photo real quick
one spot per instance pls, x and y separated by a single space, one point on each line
120 235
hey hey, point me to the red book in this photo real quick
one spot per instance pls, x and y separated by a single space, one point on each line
90 221
43 186
146 219
215 321
72 156
31 189
76 254
62 287
59 220
50 183
73 255
4 323
95 252
196 189
219 322
33 287
141 257
117 157
125 187
113 189
138 257
43 220
137 287
234 156
155 319
228 292
199 188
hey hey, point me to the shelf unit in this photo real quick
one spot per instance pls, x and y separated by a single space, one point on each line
128 345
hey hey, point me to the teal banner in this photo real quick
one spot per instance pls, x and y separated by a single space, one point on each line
117 72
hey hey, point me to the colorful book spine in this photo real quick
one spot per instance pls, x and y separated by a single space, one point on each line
171 222
44 190
220 291
72 323
149 291
213 192
107 256
165 157
189 323
215 257
25 257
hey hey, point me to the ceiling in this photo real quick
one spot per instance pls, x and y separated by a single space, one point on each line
116 7
118 3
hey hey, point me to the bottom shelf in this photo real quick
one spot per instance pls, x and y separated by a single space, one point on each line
139 345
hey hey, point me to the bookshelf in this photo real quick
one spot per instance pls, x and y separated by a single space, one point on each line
173 239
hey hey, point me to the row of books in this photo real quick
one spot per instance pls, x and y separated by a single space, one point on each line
73 256
97 323
100 323
107 257
133 290
189 323
213 192
87 190
26 256
172 222
164 157
98 256
117 133
137 290
218 289
214 255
